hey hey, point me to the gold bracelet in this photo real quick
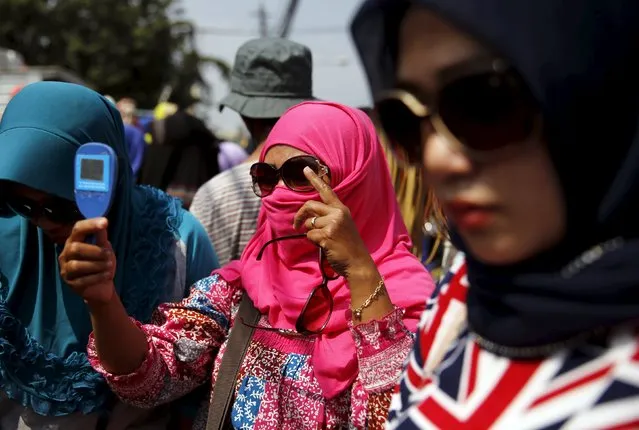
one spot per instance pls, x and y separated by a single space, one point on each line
357 313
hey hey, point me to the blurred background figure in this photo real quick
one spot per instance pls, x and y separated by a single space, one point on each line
182 156
128 108
269 76
133 133
231 154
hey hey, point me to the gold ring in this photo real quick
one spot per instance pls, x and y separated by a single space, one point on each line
313 221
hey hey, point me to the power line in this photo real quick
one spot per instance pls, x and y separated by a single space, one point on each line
236 32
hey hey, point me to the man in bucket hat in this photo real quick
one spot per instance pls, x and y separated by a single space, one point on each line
269 76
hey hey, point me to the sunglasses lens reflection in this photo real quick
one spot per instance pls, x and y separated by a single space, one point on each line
57 211
264 179
61 214
21 208
487 111
317 311
293 172
328 270
484 112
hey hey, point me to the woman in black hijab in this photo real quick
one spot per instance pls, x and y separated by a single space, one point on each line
182 157
525 117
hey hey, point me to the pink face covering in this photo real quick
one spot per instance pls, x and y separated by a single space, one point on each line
345 140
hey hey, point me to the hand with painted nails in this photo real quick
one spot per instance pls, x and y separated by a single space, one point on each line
89 269
330 226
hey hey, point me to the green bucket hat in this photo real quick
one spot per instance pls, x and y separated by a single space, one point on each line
269 76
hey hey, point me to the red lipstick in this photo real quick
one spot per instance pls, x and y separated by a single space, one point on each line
469 216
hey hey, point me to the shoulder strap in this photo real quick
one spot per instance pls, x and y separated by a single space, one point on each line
239 339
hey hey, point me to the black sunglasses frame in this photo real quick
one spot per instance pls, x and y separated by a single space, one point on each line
410 153
46 209
300 329
322 170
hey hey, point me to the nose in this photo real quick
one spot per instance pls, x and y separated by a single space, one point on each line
443 162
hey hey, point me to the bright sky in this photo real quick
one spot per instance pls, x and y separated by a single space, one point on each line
337 74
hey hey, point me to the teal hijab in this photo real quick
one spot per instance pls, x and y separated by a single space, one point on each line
44 326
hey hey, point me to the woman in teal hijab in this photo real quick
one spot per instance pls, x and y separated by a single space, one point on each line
161 250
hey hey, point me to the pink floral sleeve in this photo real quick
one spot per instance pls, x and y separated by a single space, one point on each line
382 347
182 344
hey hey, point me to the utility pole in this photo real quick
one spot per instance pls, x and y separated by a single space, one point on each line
284 27
262 19
287 18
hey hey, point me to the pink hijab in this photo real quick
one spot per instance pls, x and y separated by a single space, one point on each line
345 140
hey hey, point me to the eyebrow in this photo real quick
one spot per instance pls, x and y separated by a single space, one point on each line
480 62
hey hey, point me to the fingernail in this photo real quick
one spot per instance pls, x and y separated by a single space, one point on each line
102 223
109 263
307 169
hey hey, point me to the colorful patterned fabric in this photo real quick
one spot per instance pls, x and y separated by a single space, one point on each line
452 383
276 386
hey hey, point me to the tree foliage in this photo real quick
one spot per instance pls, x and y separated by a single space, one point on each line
122 48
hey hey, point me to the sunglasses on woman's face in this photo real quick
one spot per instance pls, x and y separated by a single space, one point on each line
318 308
484 108
54 209
291 172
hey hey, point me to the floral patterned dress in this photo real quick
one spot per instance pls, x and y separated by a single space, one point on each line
276 387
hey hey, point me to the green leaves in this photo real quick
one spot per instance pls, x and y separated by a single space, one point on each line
120 47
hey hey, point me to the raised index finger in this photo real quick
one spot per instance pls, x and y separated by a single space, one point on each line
325 191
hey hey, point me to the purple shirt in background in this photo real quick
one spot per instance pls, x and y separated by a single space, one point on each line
135 145
231 154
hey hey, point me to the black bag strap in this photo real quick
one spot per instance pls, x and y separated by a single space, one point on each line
220 407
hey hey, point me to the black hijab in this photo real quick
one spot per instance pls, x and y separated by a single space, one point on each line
580 59
183 154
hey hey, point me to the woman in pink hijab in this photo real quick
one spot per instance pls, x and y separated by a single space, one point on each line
330 271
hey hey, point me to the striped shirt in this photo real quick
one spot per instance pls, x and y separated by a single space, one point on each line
228 209
450 382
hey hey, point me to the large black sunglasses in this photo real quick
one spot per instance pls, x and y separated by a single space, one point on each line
318 309
55 209
265 177
482 106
